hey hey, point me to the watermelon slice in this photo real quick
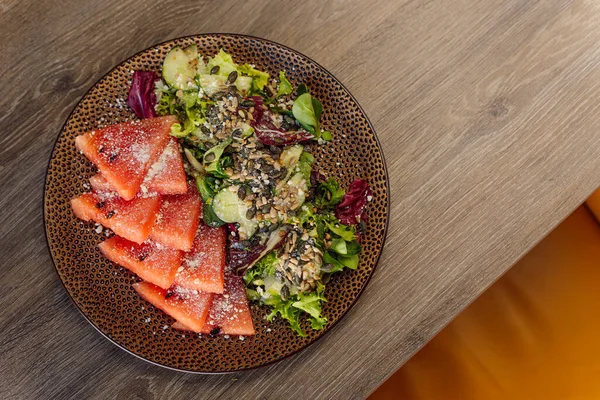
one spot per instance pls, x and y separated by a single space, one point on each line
157 265
204 264
124 152
131 219
190 308
178 219
229 313
165 176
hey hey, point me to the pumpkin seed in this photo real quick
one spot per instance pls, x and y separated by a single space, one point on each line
284 293
283 172
327 267
209 157
232 91
296 280
233 75
279 276
215 70
251 213
248 103
241 192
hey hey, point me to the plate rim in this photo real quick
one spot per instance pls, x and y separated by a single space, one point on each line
287 356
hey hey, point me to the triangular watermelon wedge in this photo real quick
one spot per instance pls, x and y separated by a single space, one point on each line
124 152
178 219
157 265
229 313
190 308
131 219
204 264
165 176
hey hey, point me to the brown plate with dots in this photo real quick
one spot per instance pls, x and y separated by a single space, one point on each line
102 290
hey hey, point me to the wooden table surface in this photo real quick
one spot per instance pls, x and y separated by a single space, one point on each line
488 113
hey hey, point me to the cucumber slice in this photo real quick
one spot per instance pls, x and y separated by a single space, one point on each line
299 182
247 227
177 70
191 52
290 156
229 208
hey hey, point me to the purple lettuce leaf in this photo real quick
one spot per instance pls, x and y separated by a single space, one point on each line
142 98
351 210
269 134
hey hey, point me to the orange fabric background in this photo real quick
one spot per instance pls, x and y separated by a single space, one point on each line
532 335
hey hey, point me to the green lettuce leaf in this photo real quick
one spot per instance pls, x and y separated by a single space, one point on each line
260 78
304 165
304 113
285 87
285 311
263 268
329 193
224 61
346 232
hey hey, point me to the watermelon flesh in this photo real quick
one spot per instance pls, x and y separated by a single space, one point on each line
178 219
204 264
125 152
190 307
132 219
157 265
229 313
165 176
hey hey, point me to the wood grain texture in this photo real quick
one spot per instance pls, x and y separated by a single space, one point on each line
487 112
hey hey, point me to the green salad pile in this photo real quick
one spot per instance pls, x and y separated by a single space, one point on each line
248 140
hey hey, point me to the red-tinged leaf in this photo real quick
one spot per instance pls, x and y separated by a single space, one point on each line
276 137
351 210
142 98
269 134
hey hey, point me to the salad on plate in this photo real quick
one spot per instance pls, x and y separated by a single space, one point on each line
214 198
